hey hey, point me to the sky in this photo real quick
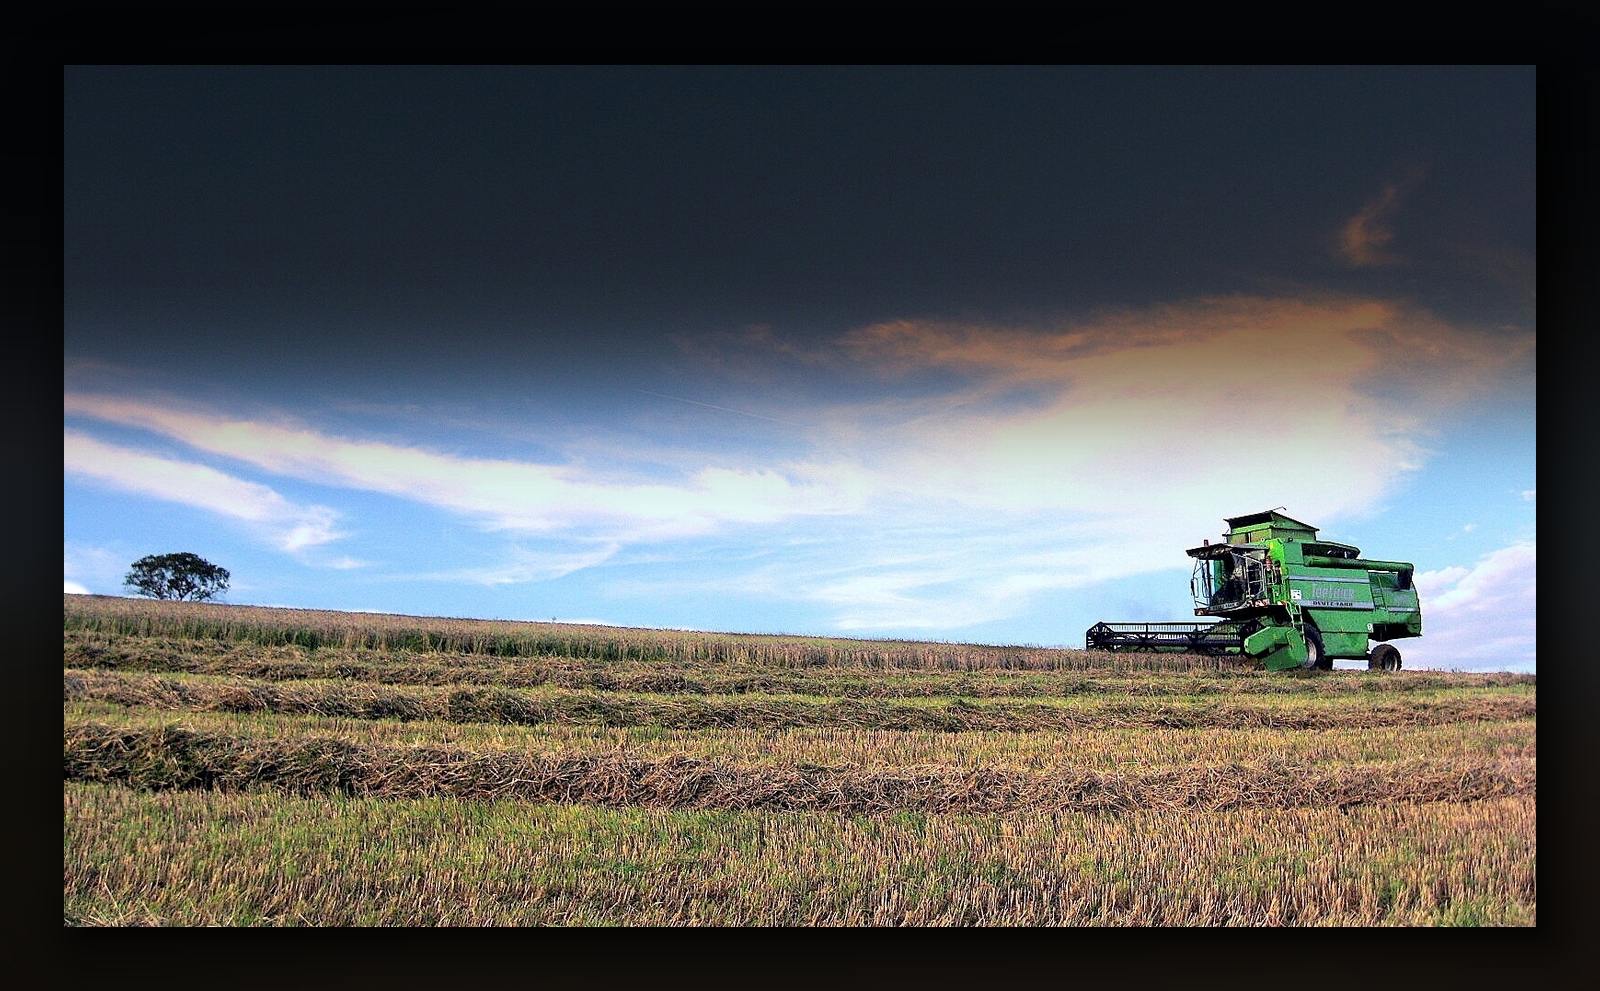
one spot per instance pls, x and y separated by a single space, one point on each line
967 354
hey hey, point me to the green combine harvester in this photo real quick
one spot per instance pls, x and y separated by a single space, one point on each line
1287 600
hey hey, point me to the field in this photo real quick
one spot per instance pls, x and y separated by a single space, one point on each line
230 765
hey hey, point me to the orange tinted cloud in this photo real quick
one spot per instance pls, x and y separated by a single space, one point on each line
977 465
1364 239
1160 421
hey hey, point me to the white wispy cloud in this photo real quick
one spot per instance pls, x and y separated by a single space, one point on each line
520 565
1147 426
73 588
1479 618
976 465
974 572
90 568
290 525
1054 457
512 495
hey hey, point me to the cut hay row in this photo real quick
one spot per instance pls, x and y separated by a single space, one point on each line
177 758
499 705
162 655
315 629
1103 749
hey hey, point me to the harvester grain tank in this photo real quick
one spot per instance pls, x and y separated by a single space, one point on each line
1285 599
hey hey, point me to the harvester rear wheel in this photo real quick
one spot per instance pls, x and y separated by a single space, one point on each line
1384 657
1317 658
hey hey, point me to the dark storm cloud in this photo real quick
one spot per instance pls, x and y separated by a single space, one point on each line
391 201
805 348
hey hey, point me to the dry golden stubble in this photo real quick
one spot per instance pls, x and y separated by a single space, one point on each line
266 858
174 757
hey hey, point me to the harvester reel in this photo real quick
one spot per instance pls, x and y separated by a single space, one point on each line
1384 657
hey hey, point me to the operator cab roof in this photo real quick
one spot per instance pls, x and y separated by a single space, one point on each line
1272 516
1253 530
1260 527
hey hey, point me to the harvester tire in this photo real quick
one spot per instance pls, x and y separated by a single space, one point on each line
1384 657
1317 658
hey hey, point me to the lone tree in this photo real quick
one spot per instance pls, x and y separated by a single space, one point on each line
177 576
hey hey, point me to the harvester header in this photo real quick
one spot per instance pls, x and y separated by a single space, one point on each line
1285 599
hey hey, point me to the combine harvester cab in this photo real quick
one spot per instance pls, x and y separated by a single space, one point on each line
1286 599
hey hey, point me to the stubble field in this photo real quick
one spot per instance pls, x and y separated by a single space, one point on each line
233 765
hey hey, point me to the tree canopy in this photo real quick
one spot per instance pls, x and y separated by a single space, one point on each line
177 576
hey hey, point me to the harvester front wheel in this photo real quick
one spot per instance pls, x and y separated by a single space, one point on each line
1317 658
1384 657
